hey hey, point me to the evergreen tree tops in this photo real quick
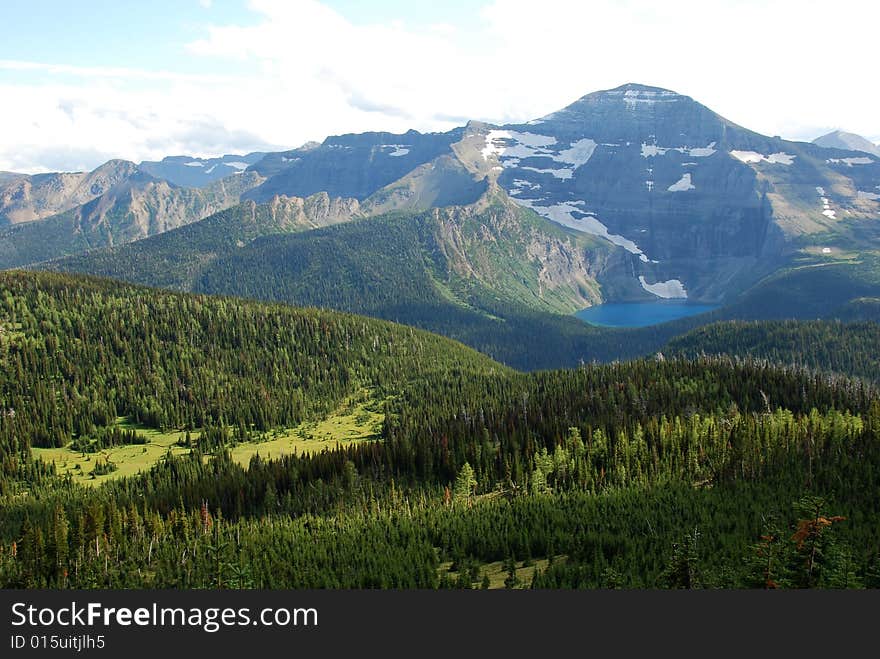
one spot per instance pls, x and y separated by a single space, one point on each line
77 353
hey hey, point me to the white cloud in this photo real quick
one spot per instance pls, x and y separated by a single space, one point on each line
788 67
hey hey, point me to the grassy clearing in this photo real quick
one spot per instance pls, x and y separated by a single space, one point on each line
352 422
129 460
498 574
356 420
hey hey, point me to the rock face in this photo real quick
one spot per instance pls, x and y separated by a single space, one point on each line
143 206
189 172
499 247
319 210
27 198
839 139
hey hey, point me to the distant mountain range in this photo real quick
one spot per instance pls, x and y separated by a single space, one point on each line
135 207
26 198
198 172
840 140
631 194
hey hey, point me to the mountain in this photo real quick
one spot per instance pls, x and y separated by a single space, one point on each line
699 207
702 208
349 165
473 257
189 172
490 234
25 198
6 177
839 139
137 207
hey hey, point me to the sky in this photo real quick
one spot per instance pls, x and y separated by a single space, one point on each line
83 82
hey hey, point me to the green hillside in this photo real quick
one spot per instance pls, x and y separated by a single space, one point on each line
654 473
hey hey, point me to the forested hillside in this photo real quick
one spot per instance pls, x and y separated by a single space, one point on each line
78 353
851 348
654 473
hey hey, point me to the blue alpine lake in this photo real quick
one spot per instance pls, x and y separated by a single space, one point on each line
640 314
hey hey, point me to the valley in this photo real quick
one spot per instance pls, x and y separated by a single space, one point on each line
628 344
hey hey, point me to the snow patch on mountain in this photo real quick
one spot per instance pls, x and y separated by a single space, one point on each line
511 146
849 162
753 157
525 145
578 153
564 214
636 97
683 184
194 163
827 211
672 288
563 174
702 151
237 165
651 150
399 149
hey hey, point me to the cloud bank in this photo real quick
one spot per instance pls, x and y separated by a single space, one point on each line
782 67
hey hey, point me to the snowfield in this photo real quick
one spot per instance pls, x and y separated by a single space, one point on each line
672 288
651 150
399 149
849 162
564 214
529 145
683 184
753 157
